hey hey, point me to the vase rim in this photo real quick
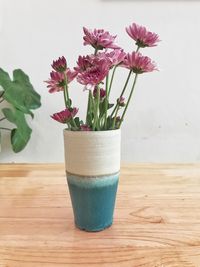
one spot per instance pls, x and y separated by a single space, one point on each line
91 132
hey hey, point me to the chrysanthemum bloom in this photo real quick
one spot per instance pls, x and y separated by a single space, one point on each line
142 36
85 127
116 56
65 115
138 63
102 93
99 39
84 63
92 70
60 64
57 80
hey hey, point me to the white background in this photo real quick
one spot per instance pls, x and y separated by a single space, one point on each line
163 121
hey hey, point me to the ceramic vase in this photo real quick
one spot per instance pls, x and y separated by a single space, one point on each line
92 161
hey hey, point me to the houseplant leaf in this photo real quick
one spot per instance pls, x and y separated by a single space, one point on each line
20 135
19 92
4 79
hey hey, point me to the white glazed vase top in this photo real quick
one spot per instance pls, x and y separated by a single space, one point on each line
92 153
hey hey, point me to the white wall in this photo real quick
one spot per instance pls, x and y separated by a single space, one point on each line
163 122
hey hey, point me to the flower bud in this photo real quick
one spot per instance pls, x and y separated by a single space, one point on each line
120 101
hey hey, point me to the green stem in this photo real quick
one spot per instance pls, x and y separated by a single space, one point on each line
69 126
132 89
66 99
95 51
106 99
111 81
125 85
2 118
113 124
137 49
66 94
7 129
96 110
88 106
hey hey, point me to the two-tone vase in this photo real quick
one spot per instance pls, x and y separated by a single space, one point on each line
92 161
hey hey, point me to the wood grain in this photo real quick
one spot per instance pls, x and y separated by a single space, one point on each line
156 223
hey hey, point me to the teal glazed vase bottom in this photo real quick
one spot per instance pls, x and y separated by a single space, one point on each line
93 200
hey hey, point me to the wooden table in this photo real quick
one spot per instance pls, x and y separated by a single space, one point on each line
156 224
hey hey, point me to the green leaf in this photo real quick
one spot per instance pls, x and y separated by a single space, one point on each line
90 118
102 107
19 92
109 122
77 121
20 135
4 79
69 102
110 105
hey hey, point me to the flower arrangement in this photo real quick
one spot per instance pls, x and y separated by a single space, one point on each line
96 73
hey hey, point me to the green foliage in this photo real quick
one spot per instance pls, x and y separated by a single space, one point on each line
20 135
22 97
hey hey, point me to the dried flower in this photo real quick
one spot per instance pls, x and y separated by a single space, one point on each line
138 63
142 36
65 115
99 39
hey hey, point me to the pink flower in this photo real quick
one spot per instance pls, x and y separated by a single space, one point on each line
84 63
56 83
99 39
85 127
138 63
102 92
142 36
70 75
92 70
116 56
58 80
65 115
60 64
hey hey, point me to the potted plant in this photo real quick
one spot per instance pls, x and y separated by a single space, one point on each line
92 146
21 98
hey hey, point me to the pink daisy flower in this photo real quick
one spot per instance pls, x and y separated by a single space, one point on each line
99 39
65 115
92 70
138 63
142 36
57 81
116 56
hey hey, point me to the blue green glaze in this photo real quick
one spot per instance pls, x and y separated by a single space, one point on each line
93 200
